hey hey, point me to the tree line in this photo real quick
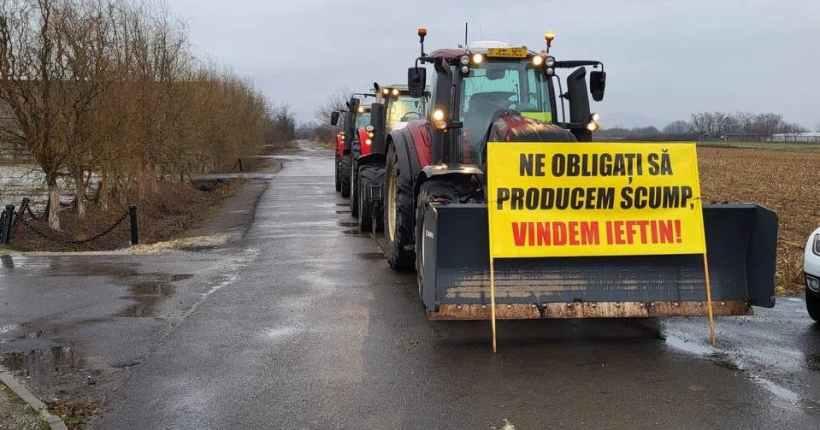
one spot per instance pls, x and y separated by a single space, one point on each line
712 126
108 95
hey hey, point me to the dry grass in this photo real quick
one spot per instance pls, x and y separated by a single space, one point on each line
784 181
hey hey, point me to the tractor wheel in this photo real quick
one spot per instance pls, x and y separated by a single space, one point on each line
398 214
813 304
354 183
344 176
369 176
336 167
432 191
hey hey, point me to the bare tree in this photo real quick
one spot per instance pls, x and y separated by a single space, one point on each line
678 128
334 102
28 71
109 90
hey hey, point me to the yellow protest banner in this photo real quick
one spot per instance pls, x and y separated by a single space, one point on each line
593 199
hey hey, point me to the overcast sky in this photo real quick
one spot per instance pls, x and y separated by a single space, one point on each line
664 59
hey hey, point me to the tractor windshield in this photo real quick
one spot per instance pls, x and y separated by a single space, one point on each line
363 120
403 109
496 85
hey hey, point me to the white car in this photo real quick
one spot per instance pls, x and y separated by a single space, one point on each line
811 274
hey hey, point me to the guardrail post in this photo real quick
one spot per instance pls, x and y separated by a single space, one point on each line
8 216
132 212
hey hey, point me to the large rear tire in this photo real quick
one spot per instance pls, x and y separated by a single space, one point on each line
354 182
398 214
344 176
432 191
336 168
813 304
369 176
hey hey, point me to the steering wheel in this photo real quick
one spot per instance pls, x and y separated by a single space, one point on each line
410 116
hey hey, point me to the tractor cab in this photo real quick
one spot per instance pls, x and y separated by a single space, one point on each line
363 120
474 87
393 109
400 106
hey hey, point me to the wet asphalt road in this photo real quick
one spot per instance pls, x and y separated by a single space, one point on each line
305 326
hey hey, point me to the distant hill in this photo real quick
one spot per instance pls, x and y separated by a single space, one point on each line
630 120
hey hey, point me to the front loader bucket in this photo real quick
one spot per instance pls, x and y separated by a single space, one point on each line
741 241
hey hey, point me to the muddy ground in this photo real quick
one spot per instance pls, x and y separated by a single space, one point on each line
784 181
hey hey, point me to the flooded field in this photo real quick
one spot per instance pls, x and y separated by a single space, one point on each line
26 181
20 181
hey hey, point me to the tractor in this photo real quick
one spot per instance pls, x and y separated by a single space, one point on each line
360 145
393 109
436 215
346 140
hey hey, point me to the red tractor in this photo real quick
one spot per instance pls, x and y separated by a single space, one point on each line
393 109
346 140
435 197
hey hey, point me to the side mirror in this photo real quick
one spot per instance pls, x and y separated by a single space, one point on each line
597 82
577 96
334 118
354 105
376 87
416 81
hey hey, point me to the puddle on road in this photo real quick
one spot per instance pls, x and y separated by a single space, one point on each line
147 295
44 364
785 398
371 255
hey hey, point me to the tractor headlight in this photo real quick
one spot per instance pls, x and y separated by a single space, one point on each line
369 128
550 71
465 60
592 122
537 60
813 283
386 91
478 58
439 119
368 142
370 134
438 115
550 62
465 69
395 91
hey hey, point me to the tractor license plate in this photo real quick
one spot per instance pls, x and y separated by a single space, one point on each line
507 52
